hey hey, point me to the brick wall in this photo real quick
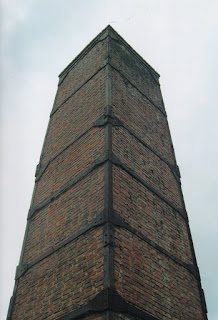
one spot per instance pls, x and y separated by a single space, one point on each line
150 215
150 280
63 255
146 164
63 281
75 116
139 74
147 121
66 215
70 163
81 71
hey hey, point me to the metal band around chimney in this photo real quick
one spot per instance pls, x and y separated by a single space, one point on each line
75 91
109 220
108 299
75 179
40 169
118 163
108 117
101 160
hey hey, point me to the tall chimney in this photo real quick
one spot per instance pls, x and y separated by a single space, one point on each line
107 232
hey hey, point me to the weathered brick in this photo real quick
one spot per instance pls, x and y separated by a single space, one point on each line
147 165
66 215
75 116
70 163
150 215
153 282
132 108
137 72
53 287
84 69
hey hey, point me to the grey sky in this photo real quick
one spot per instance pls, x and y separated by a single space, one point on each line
180 41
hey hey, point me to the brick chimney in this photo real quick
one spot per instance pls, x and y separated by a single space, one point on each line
107 231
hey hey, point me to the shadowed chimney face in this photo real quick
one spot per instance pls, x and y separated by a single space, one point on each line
107 234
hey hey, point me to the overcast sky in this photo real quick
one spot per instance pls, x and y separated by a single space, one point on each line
180 41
